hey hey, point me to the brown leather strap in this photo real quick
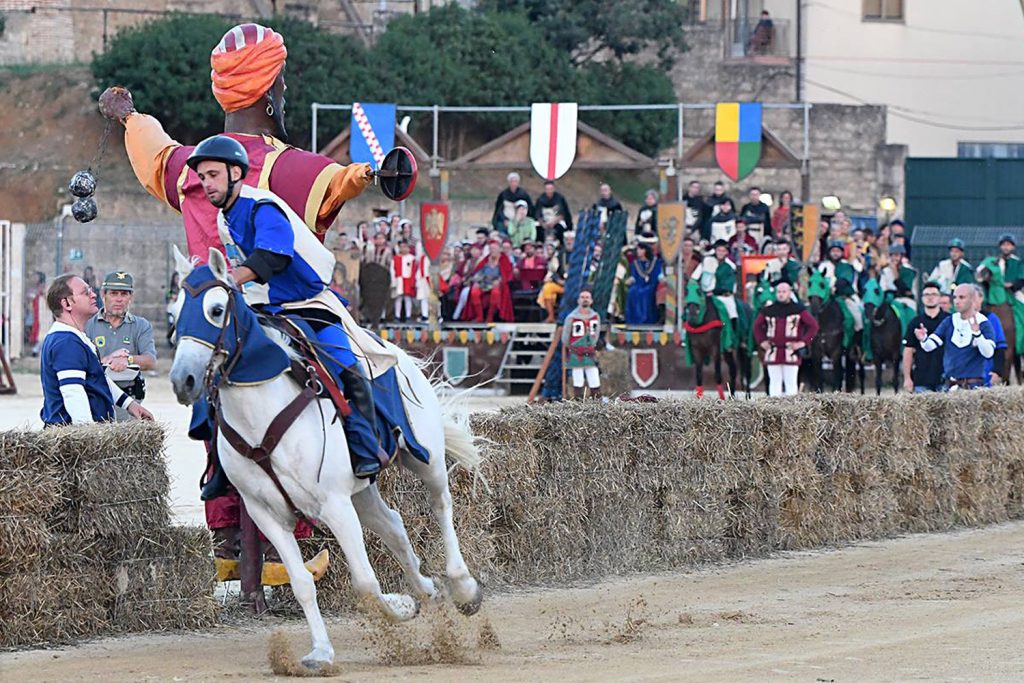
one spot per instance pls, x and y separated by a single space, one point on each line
310 354
260 454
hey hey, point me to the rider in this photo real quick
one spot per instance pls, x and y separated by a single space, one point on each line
954 270
280 264
842 275
718 275
783 268
1010 263
900 279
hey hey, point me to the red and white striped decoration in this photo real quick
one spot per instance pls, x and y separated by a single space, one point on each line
241 36
552 138
367 131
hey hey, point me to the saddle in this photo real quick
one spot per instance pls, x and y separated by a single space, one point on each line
310 367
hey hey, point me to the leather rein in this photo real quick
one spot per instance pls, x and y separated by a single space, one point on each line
308 378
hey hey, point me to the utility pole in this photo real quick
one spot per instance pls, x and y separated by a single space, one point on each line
800 50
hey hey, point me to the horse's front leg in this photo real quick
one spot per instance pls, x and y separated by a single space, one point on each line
340 515
698 371
896 375
375 515
718 375
465 590
878 375
280 535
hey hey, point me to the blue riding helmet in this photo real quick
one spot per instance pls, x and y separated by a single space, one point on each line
1007 237
956 243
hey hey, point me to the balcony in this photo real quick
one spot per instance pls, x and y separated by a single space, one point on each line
748 42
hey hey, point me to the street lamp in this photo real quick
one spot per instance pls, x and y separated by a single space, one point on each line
831 203
767 199
888 206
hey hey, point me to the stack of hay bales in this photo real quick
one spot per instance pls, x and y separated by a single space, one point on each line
583 490
86 546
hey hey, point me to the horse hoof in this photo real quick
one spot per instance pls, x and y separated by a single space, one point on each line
473 606
318 659
401 607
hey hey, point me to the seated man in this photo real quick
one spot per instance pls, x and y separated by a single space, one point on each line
717 274
489 294
554 281
278 263
530 268
899 281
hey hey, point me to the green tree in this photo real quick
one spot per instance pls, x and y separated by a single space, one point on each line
615 83
453 56
586 29
166 65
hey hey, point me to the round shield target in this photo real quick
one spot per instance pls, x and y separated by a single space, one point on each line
397 174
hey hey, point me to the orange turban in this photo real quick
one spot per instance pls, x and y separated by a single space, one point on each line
245 63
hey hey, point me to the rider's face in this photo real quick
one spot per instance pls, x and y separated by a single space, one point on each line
214 177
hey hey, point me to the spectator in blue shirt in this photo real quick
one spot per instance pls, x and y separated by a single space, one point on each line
75 387
967 339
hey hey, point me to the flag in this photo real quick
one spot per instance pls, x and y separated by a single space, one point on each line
737 138
552 138
373 133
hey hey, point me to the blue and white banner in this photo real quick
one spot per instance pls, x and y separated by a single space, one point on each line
373 132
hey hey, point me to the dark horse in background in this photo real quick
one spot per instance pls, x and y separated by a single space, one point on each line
704 342
988 275
886 334
828 311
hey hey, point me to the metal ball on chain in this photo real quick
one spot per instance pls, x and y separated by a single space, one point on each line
83 184
84 209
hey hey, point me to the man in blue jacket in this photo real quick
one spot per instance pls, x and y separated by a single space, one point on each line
967 338
76 389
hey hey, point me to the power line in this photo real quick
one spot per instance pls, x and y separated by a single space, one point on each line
923 77
901 112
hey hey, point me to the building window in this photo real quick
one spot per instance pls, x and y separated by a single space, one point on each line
883 10
990 150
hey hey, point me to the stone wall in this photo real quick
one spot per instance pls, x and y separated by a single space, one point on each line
61 31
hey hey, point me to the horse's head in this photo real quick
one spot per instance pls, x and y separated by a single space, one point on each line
764 293
206 325
694 304
817 290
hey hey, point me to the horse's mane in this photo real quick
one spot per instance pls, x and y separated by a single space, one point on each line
280 338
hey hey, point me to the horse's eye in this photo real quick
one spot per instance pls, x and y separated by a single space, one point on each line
217 310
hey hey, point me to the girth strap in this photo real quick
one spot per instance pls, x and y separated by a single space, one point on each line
260 454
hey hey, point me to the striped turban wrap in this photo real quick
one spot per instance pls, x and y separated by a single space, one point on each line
245 64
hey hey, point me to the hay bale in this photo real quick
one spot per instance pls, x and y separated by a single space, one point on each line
113 478
27 495
59 601
165 582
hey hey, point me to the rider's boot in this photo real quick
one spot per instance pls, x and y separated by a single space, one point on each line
217 482
361 425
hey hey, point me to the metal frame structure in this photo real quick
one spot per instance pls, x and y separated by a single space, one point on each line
680 107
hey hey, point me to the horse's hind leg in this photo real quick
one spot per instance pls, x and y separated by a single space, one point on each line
375 515
301 581
718 376
464 588
340 514
878 376
730 360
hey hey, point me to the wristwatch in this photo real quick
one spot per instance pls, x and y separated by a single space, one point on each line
131 360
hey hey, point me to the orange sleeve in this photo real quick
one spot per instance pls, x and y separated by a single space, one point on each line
148 148
347 183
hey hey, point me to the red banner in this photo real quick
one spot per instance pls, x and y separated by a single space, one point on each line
433 228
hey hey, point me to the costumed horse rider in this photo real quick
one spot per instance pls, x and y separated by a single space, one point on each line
283 268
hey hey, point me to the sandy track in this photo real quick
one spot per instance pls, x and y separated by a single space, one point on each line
927 607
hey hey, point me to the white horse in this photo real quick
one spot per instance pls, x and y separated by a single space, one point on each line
326 491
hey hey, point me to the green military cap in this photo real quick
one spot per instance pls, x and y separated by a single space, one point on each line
119 279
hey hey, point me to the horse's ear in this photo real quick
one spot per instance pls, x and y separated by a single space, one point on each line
181 264
219 265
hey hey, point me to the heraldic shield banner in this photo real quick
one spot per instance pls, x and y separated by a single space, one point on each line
552 138
433 228
737 138
373 133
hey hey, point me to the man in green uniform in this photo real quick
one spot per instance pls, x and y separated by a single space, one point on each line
899 279
717 274
842 277
954 270
123 340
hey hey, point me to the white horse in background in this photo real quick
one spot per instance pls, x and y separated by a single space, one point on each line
313 465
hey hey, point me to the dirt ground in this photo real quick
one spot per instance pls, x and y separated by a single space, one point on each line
925 607
928 607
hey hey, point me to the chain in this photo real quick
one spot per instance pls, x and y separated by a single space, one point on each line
102 149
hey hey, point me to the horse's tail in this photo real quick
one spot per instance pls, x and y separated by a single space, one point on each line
460 444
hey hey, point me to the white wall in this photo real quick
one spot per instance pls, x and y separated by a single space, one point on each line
955 63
